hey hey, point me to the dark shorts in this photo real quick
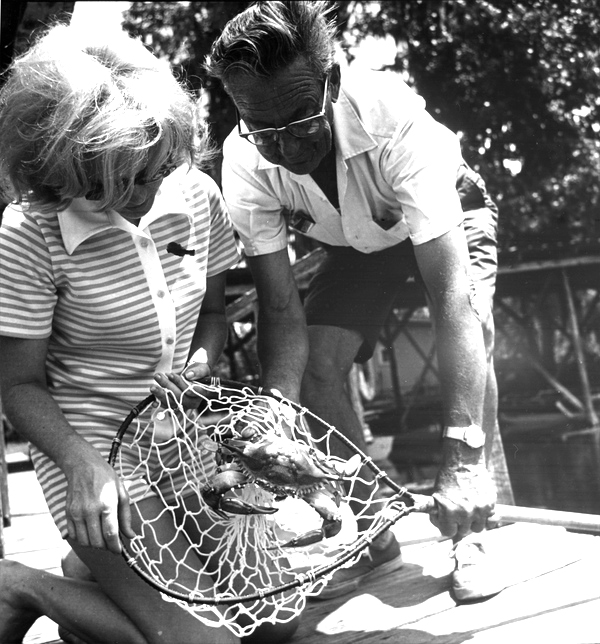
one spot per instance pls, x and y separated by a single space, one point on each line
355 290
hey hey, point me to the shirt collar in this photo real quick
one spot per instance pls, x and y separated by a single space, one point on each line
80 220
351 137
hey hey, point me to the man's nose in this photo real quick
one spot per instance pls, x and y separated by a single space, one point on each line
288 145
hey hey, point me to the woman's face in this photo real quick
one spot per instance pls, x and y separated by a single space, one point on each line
145 189
141 201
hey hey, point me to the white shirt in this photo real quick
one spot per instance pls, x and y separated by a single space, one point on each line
396 172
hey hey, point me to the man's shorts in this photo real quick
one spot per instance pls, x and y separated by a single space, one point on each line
355 290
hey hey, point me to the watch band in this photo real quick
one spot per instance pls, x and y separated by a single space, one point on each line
473 435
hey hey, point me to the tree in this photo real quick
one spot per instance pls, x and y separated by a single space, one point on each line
183 34
517 79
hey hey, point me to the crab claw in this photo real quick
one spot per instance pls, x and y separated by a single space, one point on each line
214 495
236 506
348 468
327 506
329 528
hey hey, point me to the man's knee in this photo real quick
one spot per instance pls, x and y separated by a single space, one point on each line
331 356
324 371
488 329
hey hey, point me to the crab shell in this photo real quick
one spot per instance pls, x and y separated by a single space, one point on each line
285 466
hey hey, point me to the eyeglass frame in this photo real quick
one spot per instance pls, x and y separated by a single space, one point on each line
277 130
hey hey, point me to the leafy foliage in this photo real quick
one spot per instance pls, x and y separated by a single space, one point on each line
517 79
183 33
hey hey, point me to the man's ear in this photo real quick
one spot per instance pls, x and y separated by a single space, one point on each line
335 79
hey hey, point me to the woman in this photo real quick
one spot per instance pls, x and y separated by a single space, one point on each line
100 150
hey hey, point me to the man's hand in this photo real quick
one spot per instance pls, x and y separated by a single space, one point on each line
465 496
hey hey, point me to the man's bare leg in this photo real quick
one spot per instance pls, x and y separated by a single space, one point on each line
332 353
79 606
118 606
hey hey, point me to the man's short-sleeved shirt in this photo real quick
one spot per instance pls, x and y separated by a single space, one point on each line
115 305
396 171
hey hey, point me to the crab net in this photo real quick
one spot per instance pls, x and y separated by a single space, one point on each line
235 500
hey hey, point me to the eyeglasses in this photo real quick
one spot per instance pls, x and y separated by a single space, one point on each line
97 192
299 129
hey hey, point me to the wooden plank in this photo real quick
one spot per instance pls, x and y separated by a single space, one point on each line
552 595
414 605
514 513
544 265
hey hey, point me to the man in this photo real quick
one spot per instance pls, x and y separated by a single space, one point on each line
359 165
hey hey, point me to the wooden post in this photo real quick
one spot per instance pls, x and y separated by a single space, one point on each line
579 354
4 506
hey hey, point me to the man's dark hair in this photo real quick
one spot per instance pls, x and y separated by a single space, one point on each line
270 36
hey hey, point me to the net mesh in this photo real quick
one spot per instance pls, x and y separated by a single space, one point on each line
196 477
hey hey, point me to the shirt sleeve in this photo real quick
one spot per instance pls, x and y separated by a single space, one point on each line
222 251
421 164
255 209
28 293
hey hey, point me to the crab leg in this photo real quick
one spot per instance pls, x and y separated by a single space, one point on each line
327 508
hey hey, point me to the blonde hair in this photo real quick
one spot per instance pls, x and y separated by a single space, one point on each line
77 114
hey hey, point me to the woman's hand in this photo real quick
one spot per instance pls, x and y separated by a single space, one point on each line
181 385
97 504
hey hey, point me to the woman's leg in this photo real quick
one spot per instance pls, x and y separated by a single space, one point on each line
244 568
157 619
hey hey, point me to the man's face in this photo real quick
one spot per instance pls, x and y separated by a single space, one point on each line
291 95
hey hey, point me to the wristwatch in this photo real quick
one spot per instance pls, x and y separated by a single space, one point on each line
473 435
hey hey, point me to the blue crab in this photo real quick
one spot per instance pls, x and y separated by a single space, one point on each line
250 454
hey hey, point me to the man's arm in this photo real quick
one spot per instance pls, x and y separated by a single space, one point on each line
211 329
282 335
463 490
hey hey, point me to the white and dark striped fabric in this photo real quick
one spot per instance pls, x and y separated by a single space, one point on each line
115 305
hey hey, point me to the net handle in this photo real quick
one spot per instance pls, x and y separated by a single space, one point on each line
521 514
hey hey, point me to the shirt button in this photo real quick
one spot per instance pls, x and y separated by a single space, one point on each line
169 340
144 243
160 293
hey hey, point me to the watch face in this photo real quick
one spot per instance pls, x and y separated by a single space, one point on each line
474 437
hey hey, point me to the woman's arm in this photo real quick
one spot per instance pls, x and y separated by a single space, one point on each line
97 502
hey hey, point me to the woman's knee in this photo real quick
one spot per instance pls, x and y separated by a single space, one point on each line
73 567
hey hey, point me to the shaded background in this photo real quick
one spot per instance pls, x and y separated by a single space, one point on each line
518 81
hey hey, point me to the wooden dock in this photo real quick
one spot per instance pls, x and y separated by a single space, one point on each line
553 579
